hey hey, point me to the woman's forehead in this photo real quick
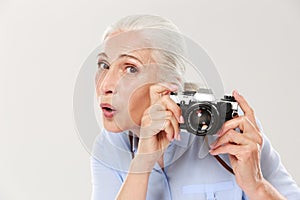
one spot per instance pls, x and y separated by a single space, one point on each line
131 43
127 48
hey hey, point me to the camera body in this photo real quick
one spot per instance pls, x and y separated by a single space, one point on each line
202 113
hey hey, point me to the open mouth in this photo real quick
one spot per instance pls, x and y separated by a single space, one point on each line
108 110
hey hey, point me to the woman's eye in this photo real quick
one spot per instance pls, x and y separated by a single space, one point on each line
103 65
131 69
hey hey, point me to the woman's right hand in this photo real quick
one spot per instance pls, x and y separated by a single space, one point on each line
159 124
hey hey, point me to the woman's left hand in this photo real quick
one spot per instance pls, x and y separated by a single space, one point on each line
243 148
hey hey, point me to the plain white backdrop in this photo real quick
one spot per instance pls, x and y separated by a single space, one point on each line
255 46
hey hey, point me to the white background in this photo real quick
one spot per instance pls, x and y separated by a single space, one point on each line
254 44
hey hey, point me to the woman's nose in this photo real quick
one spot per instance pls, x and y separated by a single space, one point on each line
108 84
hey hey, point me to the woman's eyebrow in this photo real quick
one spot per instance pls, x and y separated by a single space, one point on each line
102 54
130 56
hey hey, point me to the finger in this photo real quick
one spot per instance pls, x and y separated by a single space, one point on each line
241 122
175 125
241 152
163 104
232 124
232 137
243 104
156 127
171 106
156 113
165 109
247 109
157 90
165 115
231 149
168 129
152 127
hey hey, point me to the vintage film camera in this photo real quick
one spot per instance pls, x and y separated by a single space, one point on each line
202 113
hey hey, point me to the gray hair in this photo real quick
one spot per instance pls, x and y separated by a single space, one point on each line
166 36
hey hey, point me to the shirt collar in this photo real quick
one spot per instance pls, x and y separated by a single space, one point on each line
186 140
204 149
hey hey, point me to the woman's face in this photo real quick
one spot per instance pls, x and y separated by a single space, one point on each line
122 84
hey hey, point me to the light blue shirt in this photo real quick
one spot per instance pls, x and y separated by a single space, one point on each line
190 172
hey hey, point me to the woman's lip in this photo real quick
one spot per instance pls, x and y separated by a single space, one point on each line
108 110
107 105
107 113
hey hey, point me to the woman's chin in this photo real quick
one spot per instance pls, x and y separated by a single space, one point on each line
113 129
111 126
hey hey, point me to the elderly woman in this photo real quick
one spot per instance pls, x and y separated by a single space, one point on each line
143 154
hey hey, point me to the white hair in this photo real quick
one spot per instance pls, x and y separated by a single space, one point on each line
171 51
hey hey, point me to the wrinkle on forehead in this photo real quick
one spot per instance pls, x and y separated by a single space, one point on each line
132 42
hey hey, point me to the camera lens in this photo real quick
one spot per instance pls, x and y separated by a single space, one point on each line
203 119
200 119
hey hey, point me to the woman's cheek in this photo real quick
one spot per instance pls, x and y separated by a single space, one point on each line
139 101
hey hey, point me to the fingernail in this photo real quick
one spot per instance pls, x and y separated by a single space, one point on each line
211 152
174 87
181 119
235 92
